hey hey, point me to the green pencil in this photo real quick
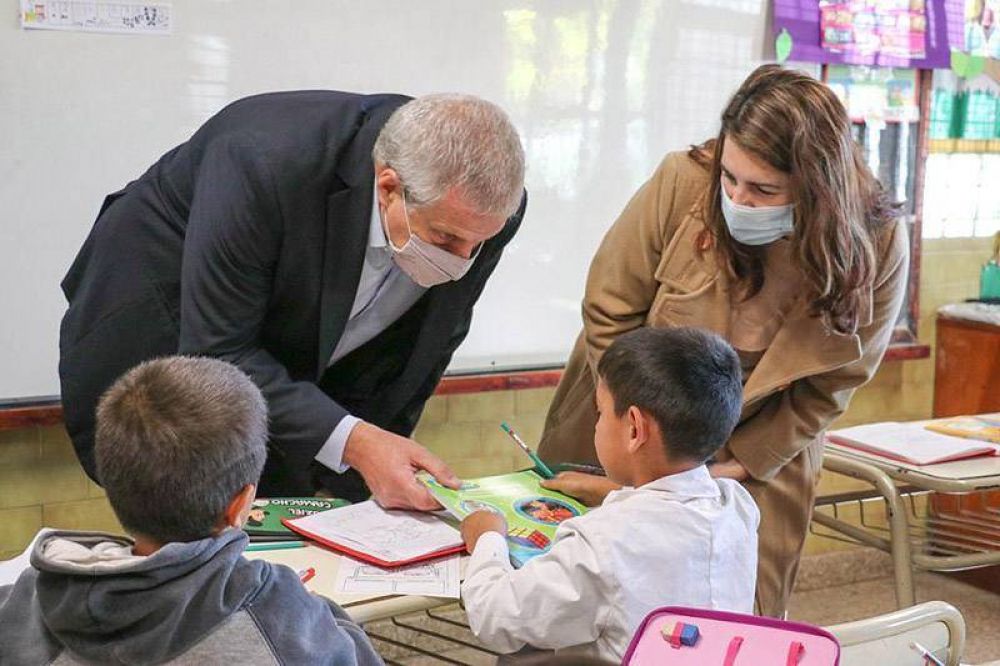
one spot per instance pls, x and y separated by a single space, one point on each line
277 545
542 468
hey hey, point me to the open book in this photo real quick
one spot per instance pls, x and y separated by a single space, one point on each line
367 532
532 512
909 442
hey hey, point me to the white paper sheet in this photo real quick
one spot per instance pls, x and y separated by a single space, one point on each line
438 578
390 536
97 16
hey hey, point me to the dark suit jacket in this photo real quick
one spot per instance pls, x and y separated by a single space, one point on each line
246 243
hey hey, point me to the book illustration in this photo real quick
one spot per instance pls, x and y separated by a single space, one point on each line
531 540
533 513
266 514
545 510
439 578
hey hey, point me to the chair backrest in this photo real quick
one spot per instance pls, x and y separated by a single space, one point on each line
888 639
678 636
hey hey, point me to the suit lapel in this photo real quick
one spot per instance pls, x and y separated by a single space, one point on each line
348 213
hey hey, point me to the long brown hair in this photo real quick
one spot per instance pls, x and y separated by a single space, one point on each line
797 125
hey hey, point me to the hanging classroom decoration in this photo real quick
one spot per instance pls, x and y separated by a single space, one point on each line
783 46
967 66
978 49
97 16
883 33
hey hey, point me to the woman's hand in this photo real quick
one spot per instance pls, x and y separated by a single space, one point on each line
590 489
729 469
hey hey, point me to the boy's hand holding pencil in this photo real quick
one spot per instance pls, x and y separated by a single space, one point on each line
478 523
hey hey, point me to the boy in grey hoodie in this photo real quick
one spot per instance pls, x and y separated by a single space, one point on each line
180 446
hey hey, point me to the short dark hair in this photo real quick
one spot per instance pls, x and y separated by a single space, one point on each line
687 379
176 439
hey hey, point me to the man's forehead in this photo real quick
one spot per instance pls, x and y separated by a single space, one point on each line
453 214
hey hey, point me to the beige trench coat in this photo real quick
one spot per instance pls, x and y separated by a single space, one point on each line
649 272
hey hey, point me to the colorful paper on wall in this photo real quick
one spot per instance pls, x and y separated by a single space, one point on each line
97 16
872 32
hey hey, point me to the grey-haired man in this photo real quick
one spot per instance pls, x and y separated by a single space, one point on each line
332 246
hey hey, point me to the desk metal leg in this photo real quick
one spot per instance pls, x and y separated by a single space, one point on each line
898 544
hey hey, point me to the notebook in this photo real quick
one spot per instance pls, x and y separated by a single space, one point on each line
533 513
971 427
910 443
388 538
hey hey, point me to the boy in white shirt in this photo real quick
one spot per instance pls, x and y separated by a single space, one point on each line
667 400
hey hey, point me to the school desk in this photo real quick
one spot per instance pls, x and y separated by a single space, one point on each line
361 607
956 529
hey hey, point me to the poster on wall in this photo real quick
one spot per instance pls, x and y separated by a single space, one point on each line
885 33
876 94
894 28
982 34
96 16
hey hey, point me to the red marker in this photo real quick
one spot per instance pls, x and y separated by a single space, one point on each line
306 575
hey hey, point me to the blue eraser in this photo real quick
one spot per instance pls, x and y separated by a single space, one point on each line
689 635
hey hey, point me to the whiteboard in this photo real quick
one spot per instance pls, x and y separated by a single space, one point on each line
599 90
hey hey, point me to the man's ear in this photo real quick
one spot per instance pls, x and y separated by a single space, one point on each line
638 428
387 183
239 507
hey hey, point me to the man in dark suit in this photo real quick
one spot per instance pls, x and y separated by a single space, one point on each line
331 245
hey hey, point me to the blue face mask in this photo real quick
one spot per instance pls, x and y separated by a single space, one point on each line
756 225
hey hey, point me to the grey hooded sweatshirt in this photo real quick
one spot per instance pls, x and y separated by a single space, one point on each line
87 600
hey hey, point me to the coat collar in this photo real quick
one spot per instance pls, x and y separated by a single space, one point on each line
802 346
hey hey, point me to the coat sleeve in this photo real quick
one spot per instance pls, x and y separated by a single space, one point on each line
794 417
555 601
621 282
232 242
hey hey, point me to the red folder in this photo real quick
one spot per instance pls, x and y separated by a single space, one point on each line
367 557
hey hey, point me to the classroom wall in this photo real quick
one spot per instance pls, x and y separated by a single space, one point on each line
41 482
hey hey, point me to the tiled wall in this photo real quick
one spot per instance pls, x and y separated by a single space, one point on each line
42 484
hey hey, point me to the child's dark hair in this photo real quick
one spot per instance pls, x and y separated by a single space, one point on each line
687 379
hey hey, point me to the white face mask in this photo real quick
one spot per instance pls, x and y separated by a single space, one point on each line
426 264
756 225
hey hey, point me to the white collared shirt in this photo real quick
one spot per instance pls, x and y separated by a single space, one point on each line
682 540
384 295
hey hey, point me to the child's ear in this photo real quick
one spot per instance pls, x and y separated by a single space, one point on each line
239 507
638 428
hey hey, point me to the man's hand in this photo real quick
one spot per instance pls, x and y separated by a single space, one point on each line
478 523
389 464
590 489
729 469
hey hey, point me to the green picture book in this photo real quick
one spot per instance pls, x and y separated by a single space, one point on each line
266 514
532 512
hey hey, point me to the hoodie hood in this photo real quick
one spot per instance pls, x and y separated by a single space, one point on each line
98 598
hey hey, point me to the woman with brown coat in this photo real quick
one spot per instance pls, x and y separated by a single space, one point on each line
776 236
